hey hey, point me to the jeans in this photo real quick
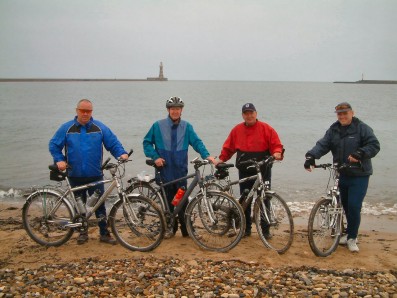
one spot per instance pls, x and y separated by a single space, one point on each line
352 192
101 211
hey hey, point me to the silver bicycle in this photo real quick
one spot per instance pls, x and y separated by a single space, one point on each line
50 214
272 217
326 218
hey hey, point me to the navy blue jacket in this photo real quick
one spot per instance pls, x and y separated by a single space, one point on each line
342 143
83 147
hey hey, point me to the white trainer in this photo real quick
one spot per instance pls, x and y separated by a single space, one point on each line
352 245
343 240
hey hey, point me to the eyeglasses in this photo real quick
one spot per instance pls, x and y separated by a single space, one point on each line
84 111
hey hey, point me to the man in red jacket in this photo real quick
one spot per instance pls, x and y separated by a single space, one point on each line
251 139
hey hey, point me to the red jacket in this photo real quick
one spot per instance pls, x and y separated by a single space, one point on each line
260 137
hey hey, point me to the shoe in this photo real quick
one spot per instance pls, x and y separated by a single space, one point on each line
107 239
168 234
83 238
343 240
247 233
352 245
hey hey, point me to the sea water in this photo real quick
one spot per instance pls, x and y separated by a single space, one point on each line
300 112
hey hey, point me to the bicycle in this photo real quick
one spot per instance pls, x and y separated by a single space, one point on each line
214 220
272 217
325 226
51 214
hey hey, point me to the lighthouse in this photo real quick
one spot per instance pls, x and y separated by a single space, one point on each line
161 75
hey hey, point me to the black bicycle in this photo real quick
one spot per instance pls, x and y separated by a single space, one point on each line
51 214
214 219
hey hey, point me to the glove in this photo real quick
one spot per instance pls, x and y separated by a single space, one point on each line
309 161
359 154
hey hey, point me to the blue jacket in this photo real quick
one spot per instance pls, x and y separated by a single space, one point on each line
171 141
358 135
83 147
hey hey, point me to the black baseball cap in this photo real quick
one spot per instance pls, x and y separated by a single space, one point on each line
248 107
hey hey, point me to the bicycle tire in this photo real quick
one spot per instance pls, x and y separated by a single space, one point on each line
324 227
147 190
278 234
228 217
45 229
138 223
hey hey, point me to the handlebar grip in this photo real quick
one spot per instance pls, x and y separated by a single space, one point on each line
105 163
129 153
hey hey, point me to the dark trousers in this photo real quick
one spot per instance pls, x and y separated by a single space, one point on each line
101 211
352 193
267 175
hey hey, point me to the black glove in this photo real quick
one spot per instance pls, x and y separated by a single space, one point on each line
309 161
359 154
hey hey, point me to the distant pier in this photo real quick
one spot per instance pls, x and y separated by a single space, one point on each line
159 78
369 82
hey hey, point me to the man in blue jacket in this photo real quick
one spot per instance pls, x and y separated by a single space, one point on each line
82 140
167 143
351 141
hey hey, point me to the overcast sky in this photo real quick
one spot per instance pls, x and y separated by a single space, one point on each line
273 40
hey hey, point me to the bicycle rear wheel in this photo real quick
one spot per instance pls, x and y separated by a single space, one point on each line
274 222
324 227
138 223
45 216
215 222
147 190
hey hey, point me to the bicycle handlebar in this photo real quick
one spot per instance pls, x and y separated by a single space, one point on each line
336 166
269 160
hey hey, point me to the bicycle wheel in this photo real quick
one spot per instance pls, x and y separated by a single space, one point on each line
215 222
274 222
324 227
138 223
147 190
45 216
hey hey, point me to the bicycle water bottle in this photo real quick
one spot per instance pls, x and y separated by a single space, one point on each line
178 196
80 205
91 201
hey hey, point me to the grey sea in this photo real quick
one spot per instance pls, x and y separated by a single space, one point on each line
301 112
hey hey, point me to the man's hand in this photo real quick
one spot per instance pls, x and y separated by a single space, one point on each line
278 156
212 160
61 165
309 162
123 156
356 156
160 162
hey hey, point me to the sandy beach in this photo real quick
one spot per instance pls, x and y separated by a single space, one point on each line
377 242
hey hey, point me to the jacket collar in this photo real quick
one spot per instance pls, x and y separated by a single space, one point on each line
78 124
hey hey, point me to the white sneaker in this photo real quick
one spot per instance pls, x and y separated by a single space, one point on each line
352 245
343 240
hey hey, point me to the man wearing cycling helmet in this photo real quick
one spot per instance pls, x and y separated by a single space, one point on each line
351 141
167 143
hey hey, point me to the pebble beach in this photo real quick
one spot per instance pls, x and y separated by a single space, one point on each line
177 268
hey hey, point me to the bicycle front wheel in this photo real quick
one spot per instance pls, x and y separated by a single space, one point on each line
215 222
45 216
274 222
324 228
137 223
147 190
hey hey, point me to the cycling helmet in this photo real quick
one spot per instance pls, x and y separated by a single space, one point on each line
174 102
